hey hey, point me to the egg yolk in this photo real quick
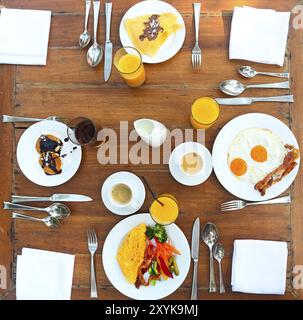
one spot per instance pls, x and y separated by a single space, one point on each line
259 153
238 167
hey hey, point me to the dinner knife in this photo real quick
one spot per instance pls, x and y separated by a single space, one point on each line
108 44
195 244
55 197
247 101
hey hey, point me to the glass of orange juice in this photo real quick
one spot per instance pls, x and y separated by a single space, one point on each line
164 210
128 61
204 112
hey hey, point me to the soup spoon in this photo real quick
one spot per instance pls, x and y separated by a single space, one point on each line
95 52
50 222
235 88
249 72
84 38
56 210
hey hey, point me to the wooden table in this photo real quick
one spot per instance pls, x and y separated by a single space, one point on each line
67 86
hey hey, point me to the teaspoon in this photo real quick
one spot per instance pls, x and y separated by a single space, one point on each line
210 237
235 88
56 210
95 52
249 72
219 252
84 38
50 222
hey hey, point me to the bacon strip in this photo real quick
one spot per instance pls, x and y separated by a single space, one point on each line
289 163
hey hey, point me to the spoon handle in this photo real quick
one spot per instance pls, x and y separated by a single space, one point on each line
279 85
212 282
96 5
87 8
274 74
16 215
194 288
222 289
9 205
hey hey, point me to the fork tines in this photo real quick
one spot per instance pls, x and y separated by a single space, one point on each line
196 58
92 238
232 205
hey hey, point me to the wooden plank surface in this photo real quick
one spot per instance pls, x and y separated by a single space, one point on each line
68 87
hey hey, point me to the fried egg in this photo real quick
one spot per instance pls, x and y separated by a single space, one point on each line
254 153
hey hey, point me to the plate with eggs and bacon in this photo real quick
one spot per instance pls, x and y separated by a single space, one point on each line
256 157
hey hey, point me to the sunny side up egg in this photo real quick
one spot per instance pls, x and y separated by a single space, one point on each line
254 153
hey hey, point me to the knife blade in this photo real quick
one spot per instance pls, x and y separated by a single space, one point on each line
108 45
54 197
247 101
195 244
195 240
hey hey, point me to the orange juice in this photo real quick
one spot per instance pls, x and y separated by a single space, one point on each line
204 112
166 214
128 62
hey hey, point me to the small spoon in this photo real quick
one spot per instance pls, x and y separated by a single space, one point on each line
249 72
84 38
210 236
95 52
235 88
56 210
50 222
219 252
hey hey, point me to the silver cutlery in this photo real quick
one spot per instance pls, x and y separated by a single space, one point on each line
235 88
249 72
92 247
219 252
84 38
195 242
196 55
210 237
6 118
108 49
56 210
249 101
240 204
55 198
95 52
49 221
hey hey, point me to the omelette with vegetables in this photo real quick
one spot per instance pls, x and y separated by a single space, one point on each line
146 256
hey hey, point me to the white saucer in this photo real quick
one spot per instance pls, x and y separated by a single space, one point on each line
132 181
176 159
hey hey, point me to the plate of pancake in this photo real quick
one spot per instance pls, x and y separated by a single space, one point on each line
155 28
125 254
45 154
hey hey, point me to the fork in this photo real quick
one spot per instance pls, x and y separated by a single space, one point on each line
92 247
240 204
196 55
6 119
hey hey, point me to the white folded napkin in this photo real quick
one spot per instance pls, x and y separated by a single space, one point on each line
259 35
44 275
24 36
259 266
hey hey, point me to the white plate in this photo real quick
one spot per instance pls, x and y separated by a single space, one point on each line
241 189
175 161
172 45
134 183
28 157
115 275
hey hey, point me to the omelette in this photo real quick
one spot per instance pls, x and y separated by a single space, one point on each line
131 252
149 32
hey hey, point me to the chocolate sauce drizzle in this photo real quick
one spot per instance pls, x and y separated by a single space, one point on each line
48 145
152 28
49 159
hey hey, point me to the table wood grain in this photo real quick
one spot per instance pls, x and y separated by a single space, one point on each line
67 86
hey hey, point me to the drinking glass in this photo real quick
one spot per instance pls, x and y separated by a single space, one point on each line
82 131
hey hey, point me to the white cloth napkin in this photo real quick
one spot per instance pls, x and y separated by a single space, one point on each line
259 266
24 36
259 35
44 275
